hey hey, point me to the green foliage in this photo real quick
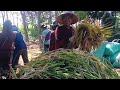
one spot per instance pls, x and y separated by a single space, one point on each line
1 28
108 21
66 64
21 29
81 14
33 32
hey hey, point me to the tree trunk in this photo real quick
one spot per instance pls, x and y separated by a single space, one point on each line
3 15
39 30
56 14
12 13
114 28
25 25
17 21
7 15
50 17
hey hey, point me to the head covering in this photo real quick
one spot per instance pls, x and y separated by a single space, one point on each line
74 18
7 29
43 26
14 28
7 25
55 23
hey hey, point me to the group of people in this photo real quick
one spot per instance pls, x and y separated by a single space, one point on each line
61 34
12 45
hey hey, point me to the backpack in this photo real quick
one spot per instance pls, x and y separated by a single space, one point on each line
6 50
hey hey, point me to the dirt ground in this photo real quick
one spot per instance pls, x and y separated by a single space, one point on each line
33 51
118 71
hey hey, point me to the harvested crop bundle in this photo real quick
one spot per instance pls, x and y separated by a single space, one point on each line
90 36
67 64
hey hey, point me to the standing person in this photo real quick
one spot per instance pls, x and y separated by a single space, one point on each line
7 39
45 36
20 49
65 32
52 37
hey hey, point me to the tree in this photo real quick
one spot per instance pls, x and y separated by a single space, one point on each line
3 15
25 25
81 14
6 12
12 13
39 29
106 17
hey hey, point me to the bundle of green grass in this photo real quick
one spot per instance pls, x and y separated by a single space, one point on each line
67 64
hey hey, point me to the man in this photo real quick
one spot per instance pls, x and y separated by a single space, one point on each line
45 36
20 49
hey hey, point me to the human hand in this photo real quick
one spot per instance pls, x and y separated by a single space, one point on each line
71 39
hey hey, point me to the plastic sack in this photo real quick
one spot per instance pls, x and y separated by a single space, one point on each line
100 51
115 59
107 58
112 48
116 64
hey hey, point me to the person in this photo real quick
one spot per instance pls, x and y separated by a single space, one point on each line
20 49
52 37
7 39
65 32
45 36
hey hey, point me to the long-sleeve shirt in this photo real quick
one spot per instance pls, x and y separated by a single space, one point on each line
62 36
19 42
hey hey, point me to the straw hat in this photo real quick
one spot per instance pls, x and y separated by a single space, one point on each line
74 18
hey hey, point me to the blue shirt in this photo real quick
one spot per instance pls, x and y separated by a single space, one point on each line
44 33
19 42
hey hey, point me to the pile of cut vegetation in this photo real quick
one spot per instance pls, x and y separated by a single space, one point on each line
67 64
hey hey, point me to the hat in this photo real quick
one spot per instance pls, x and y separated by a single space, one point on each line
55 23
74 18
7 23
43 26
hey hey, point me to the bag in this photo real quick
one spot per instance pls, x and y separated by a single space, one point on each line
115 59
6 50
116 64
112 48
100 51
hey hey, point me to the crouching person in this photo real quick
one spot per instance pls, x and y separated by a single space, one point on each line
20 49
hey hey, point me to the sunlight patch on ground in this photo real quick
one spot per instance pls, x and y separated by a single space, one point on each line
32 53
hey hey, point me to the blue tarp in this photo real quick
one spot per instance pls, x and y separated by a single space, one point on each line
110 51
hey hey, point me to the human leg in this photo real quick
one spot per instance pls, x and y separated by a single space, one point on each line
46 47
16 55
24 54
